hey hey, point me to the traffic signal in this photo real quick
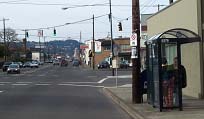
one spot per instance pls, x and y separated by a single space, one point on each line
54 32
120 26
90 53
27 35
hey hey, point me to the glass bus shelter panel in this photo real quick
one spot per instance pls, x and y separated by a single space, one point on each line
156 82
150 89
155 69
169 75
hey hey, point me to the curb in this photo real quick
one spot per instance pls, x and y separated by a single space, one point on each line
129 109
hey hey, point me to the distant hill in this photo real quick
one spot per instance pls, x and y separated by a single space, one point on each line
59 46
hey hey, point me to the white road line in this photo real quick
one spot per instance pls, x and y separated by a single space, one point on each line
45 82
2 84
80 82
81 85
1 91
122 76
15 84
92 76
102 80
24 82
40 84
126 85
5 82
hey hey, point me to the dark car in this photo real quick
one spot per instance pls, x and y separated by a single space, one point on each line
64 63
103 64
75 62
5 66
13 68
124 64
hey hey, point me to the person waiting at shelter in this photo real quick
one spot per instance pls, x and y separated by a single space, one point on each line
164 80
175 75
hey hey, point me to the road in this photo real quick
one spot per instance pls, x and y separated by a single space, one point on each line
53 92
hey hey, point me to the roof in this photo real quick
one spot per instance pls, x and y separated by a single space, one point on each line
177 35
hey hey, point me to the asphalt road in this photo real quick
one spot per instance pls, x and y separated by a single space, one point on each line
53 92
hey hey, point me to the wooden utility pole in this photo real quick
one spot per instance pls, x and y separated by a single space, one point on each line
5 44
93 52
136 92
111 30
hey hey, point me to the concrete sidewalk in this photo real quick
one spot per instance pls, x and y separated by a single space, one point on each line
192 108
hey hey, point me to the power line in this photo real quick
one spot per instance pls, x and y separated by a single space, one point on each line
62 24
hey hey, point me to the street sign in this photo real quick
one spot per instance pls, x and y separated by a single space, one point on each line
133 40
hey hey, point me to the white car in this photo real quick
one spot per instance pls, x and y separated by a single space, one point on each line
34 65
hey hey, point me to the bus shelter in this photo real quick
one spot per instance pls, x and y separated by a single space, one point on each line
164 81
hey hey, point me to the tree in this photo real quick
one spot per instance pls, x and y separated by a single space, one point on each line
10 36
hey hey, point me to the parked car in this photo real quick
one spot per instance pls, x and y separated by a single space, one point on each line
13 68
64 63
103 64
75 62
19 63
26 64
124 64
6 65
30 64
56 62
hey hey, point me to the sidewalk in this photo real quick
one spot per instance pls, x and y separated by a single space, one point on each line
192 108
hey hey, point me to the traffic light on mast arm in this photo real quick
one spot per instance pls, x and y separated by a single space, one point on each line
54 32
27 35
120 26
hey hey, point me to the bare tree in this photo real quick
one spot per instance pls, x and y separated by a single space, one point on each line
10 36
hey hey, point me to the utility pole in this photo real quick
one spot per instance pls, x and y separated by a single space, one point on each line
136 92
111 28
44 49
5 46
93 52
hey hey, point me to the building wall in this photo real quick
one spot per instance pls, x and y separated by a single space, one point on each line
181 14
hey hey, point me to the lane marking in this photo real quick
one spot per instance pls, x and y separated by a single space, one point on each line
121 76
80 82
24 82
126 85
40 84
2 84
15 84
102 80
92 76
5 82
81 85
45 82
1 91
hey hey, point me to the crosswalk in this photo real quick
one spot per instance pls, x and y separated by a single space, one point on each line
76 84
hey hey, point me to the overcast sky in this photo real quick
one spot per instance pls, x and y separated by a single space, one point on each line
35 14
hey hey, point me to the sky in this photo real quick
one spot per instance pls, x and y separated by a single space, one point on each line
33 15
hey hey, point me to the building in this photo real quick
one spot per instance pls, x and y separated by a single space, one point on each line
186 14
103 50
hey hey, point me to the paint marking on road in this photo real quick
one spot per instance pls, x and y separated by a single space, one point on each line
79 82
15 84
1 91
102 80
25 82
41 84
45 82
5 82
122 76
2 84
92 76
126 85
81 85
